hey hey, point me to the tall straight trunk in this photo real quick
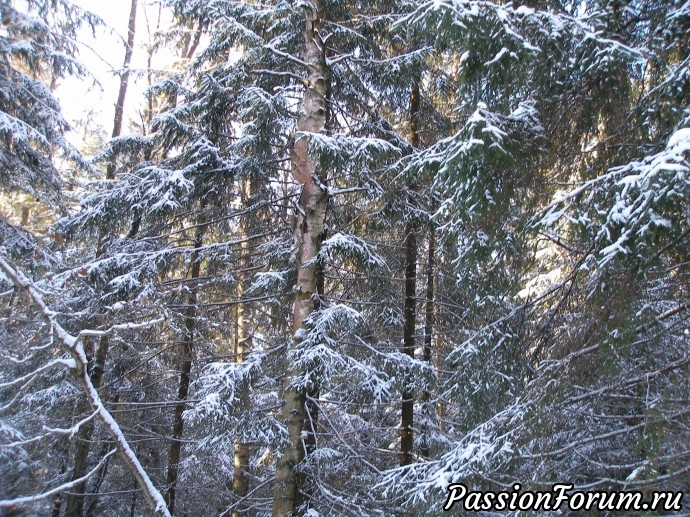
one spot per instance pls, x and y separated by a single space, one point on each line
429 325
308 236
242 347
92 509
407 418
311 420
124 78
175 450
74 504
429 299
407 408
124 82
243 344
438 363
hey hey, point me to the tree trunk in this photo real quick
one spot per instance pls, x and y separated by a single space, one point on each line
92 509
74 504
175 450
311 420
429 326
124 78
308 236
243 346
407 410
407 419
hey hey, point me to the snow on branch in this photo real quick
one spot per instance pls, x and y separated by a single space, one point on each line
268 281
121 326
351 247
71 431
644 194
464 168
342 147
26 247
222 393
524 28
479 450
285 55
225 378
324 357
73 345
122 144
484 131
9 503
20 130
69 363
354 157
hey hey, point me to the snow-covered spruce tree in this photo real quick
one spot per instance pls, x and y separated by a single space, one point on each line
74 501
344 368
156 228
178 233
253 262
625 225
587 99
37 49
47 365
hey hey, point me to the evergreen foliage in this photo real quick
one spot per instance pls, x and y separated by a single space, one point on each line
352 253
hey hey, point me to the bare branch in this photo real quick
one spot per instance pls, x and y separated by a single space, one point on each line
9 503
74 347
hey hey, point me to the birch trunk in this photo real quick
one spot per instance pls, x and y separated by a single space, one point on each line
308 236
429 326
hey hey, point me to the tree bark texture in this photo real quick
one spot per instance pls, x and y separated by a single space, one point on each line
429 325
124 77
407 407
311 421
407 418
74 504
243 346
175 451
308 236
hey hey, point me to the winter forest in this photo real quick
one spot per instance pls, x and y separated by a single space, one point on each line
331 256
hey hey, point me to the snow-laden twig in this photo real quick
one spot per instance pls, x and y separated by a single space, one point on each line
286 55
120 326
71 431
76 350
47 366
9 503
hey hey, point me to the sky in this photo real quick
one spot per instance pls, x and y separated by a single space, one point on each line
101 56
